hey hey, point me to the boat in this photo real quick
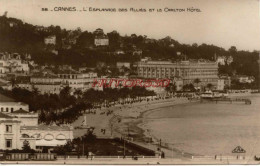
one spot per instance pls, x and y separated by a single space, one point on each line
225 95
255 91
211 95
217 95
207 95
221 94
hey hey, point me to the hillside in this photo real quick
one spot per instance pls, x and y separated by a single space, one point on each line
16 36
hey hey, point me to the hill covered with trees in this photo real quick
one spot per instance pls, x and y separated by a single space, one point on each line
17 36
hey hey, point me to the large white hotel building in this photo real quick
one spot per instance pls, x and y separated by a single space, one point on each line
188 71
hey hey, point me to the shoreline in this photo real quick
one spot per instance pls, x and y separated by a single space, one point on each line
132 119
144 132
140 133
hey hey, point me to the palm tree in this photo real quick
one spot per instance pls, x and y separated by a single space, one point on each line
171 88
89 106
78 93
42 117
13 82
123 93
35 91
209 86
197 81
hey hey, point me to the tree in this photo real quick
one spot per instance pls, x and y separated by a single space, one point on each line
13 82
232 49
65 98
86 39
209 86
42 117
171 88
226 87
63 149
188 87
89 137
114 38
197 81
78 93
26 146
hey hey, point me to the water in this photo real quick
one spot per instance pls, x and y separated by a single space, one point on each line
209 128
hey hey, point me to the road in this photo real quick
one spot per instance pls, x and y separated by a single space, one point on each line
131 161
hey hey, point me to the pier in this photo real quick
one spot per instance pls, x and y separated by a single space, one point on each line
230 100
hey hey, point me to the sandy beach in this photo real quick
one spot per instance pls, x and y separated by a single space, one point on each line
185 127
129 121
115 123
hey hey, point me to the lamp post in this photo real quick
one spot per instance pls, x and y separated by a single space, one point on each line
172 151
124 147
83 151
123 137
111 128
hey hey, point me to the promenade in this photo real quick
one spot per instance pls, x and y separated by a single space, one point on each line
146 161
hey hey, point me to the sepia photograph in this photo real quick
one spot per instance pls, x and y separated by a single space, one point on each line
129 82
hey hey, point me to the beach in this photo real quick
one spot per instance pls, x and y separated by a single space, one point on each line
183 126
126 121
121 116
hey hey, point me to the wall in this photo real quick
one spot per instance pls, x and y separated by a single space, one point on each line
14 135
30 119
221 84
101 42
45 134
207 72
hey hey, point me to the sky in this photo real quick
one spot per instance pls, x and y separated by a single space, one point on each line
224 23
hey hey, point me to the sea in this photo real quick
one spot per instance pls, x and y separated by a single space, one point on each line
208 128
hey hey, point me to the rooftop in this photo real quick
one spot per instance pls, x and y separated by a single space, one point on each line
12 103
45 127
21 111
2 115
186 62
5 98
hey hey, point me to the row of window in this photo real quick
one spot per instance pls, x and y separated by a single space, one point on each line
162 71
7 109
177 74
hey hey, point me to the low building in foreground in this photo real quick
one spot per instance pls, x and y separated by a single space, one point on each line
47 136
9 132
21 125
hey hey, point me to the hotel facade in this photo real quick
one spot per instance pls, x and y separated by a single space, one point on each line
188 71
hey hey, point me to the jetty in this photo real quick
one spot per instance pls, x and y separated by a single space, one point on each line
229 100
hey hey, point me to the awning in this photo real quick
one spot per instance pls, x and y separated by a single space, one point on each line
50 143
61 137
48 137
